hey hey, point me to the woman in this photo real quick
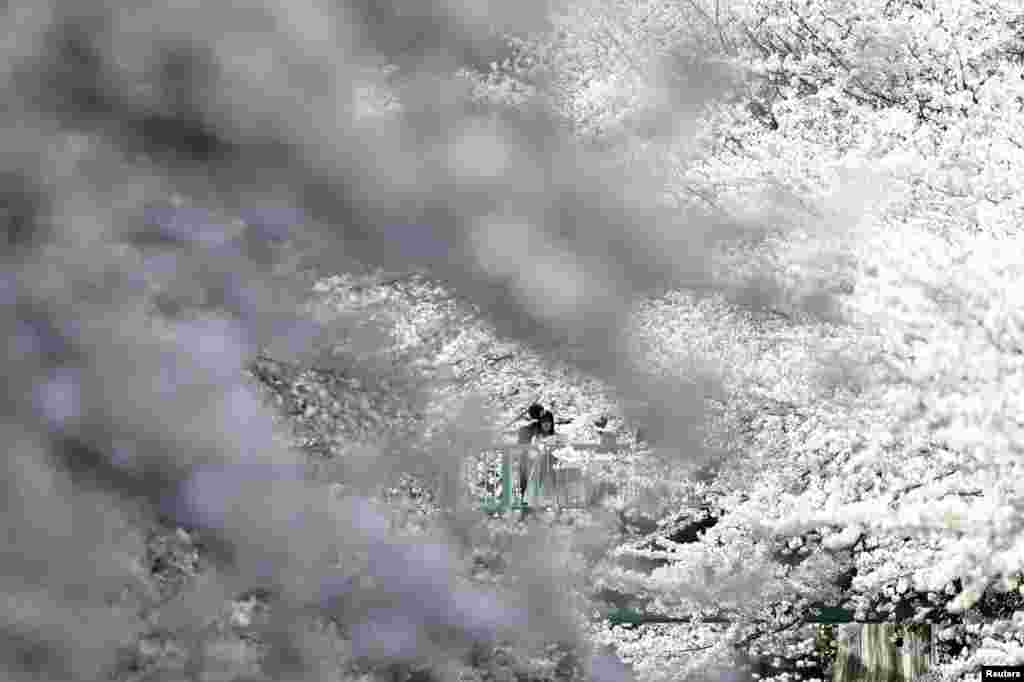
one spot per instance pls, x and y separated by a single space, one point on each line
525 436
546 424
543 469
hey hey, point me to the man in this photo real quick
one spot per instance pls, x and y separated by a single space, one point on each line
605 435
527 433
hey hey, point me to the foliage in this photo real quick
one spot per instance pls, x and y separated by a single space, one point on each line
886 132
830 192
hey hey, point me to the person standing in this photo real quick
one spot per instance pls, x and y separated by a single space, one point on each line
525 437
544 466
527 433
546 424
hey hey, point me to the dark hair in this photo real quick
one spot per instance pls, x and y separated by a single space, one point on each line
548 417
536 411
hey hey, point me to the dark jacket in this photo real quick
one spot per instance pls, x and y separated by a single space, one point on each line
527 433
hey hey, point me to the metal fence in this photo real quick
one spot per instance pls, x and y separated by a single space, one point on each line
495 478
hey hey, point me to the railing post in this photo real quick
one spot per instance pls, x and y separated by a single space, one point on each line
506 479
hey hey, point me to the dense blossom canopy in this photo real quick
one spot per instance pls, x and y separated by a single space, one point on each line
273 272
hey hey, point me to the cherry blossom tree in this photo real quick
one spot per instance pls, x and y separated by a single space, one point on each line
887 136
829 193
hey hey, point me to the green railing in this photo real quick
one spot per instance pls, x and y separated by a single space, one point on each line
563 485
822 615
